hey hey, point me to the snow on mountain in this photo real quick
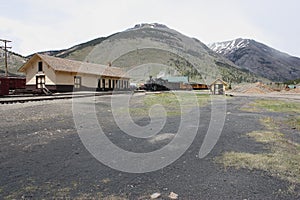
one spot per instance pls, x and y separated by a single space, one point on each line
228 46
259 59
148 25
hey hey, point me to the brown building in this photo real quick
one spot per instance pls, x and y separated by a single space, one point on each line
63 75
199 86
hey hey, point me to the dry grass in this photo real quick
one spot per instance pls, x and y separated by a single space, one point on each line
105 181
283 158
282 106
277 106
283 161
294 122
174 104
99 196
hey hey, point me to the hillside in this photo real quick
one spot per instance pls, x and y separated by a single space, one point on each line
259 59
77 52
14 62
152 49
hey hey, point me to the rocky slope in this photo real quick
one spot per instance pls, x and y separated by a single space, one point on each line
14 62
259 59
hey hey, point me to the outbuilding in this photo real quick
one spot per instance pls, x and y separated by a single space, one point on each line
63 75
218 87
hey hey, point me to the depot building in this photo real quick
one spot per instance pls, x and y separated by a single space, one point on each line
63 75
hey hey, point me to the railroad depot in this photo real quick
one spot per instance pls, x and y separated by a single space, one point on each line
63 75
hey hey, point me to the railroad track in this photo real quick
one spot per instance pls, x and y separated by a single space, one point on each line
24 100
12 100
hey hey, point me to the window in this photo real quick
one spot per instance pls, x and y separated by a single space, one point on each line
40 66
77 81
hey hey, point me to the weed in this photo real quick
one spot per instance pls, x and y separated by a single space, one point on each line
277 105
174 104
282 161
105 181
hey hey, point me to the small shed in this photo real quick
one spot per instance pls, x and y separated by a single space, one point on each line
218 87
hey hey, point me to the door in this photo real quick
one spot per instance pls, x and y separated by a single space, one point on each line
109 83
113 84
221 90
99 83
103 84
218 89
40 81
77 82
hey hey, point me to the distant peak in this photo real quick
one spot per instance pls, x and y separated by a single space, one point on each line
241 39
148 25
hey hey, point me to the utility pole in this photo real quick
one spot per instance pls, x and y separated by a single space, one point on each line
5 54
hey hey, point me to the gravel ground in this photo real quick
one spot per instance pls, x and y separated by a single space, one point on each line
42 156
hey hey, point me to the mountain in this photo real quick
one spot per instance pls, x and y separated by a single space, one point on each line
77 52
154 49
259 58
14 62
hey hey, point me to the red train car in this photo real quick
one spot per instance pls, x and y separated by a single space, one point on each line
17 83
11 83
4 86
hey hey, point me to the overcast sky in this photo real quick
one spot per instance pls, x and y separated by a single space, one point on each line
39 25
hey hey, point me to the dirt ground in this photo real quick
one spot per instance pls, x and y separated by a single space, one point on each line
42 157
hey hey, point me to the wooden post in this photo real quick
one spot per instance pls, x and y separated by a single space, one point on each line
5 54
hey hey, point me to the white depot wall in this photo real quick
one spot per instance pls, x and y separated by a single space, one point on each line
32 72
89 80
64 78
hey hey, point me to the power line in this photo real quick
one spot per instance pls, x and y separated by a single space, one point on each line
5 54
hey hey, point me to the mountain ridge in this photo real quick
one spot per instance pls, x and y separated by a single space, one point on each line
135 46
259 59
179 50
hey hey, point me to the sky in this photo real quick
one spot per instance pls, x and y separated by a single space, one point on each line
41 25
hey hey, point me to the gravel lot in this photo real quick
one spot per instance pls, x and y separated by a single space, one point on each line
42 156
